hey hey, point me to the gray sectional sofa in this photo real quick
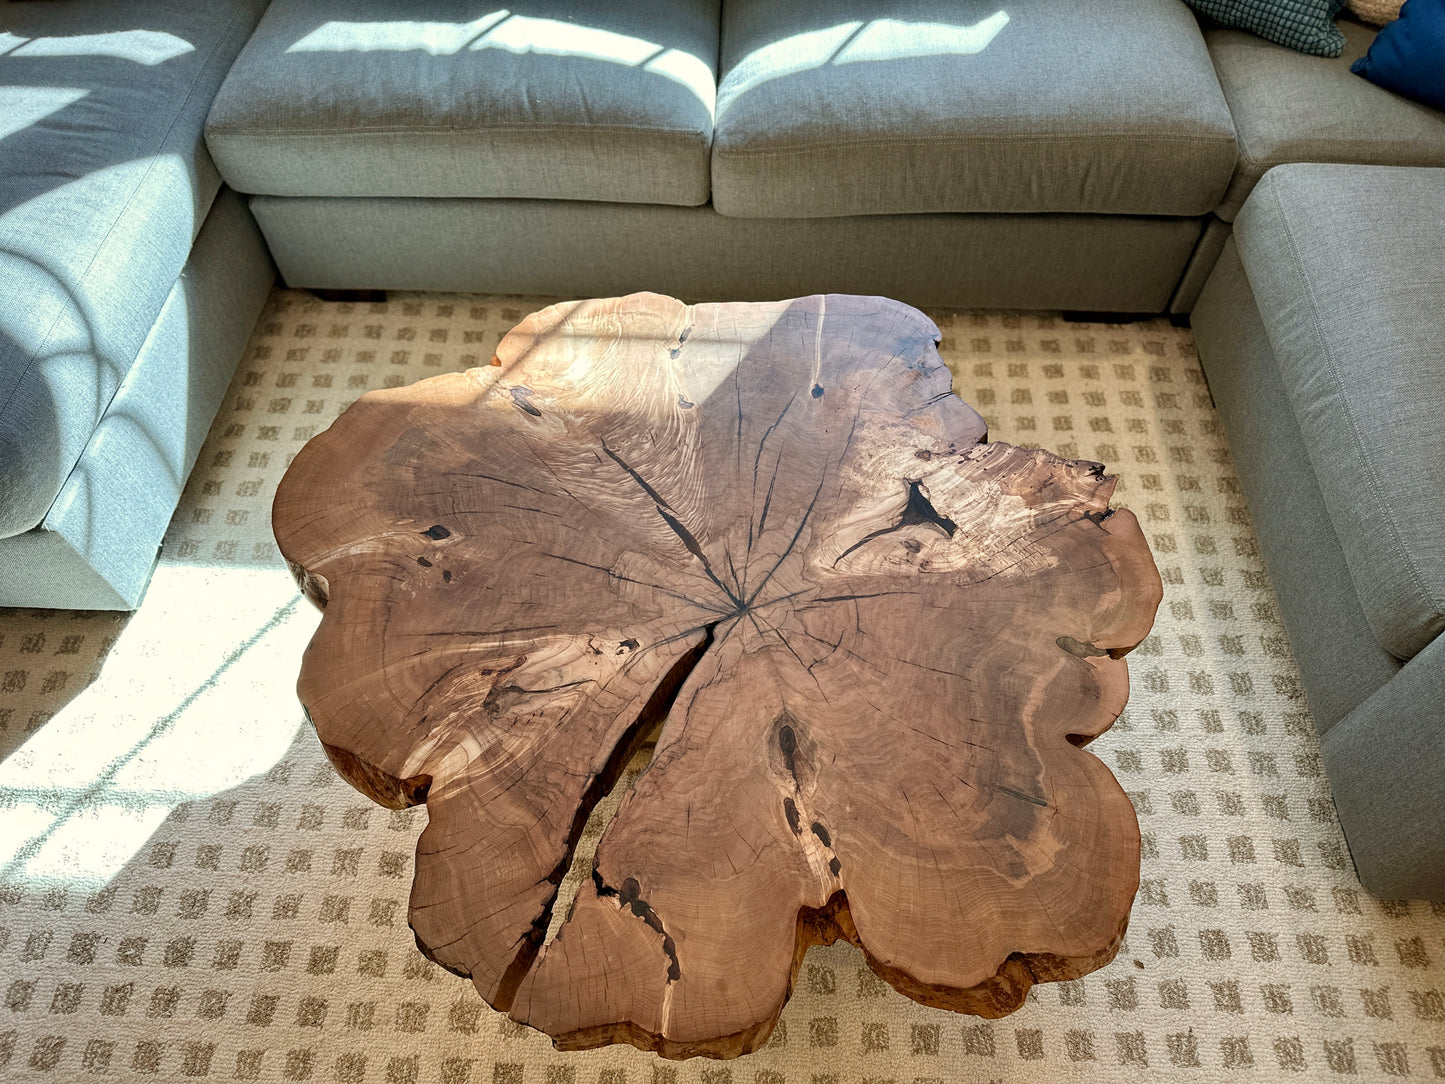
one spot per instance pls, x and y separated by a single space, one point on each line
1062 154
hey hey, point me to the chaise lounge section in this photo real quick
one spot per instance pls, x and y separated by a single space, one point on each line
1320 331
130 280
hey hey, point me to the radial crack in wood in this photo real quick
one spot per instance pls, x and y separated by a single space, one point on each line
875 644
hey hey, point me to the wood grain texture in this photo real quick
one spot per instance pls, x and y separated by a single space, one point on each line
874 642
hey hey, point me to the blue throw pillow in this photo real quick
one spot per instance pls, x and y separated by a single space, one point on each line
1306 25
1408 55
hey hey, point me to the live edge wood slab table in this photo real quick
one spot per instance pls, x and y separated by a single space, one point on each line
875 644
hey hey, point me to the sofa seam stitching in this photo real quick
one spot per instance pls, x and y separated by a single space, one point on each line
723 152
292 133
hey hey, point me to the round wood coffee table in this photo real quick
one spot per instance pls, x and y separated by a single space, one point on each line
875 644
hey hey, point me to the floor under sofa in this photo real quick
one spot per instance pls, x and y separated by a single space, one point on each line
188 890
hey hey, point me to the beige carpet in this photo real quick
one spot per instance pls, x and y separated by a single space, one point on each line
188 891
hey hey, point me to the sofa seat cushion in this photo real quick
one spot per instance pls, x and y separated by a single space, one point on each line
552 99
1347 265
104 183
1289 107
1099 106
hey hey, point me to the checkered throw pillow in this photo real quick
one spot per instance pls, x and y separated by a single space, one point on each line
1306 25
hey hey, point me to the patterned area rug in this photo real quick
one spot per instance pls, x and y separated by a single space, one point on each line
187 890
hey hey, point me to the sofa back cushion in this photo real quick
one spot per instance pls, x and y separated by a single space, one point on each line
104 182
546 99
